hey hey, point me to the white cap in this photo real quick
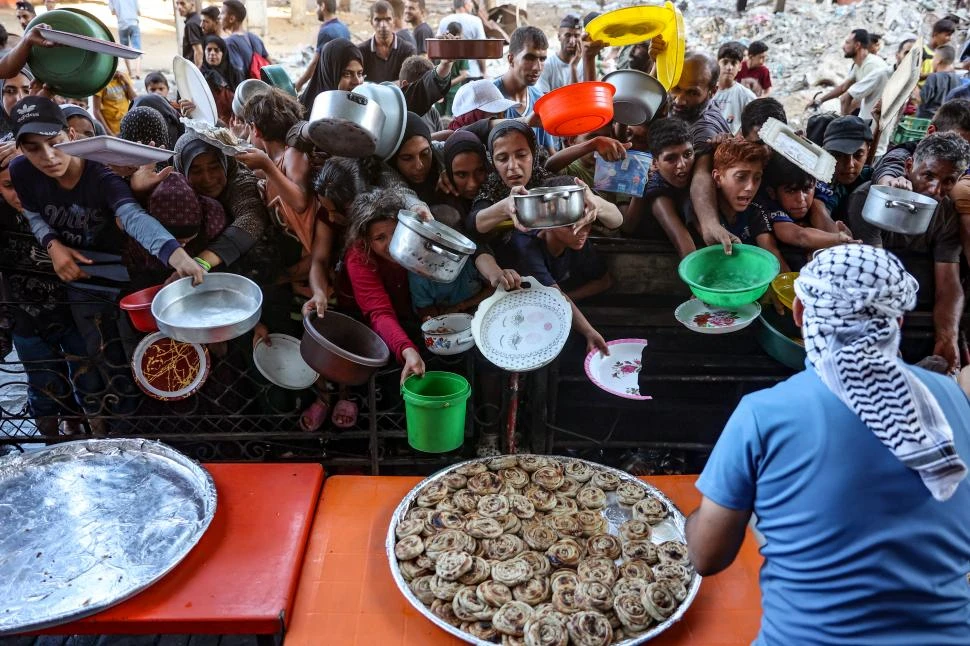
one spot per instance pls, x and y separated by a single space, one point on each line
480 95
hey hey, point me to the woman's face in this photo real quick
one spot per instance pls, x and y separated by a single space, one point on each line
351 77
206 175
213 55
468 174
379 236
512 158
413 160
7 191
14 89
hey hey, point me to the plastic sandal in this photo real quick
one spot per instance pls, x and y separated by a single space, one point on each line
344 414
314 416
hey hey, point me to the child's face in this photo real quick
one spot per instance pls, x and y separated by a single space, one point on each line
572 240
40 151
849 167
675 164
7 191
758 60
794 200
729 68
159 88
379 236
738 184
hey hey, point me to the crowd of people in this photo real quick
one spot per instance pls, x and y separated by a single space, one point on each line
314 229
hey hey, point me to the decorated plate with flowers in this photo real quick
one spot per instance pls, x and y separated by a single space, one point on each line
699 317
618 373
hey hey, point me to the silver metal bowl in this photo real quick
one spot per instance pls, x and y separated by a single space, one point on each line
345 124
245 91
549 207
223 307
429 249
638 96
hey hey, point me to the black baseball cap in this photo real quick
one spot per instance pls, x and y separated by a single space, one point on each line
37 115
846 135
570 21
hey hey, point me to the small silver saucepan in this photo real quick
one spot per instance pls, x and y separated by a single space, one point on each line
429 249
545 208
898 210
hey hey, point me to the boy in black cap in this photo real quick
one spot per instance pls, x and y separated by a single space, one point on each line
73 204
848 139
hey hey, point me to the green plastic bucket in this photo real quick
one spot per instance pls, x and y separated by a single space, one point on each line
434 406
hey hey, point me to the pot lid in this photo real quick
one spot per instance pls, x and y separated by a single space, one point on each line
523 329
437 232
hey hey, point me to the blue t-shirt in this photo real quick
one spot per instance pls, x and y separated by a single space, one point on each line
543 138
426 292
857 551
330 30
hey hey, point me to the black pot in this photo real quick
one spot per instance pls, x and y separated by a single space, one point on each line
341 349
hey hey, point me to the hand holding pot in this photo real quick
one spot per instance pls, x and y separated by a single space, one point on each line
898 182
34 37
509 205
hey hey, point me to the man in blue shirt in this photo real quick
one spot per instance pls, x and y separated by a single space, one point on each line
527 58
331 27
855 469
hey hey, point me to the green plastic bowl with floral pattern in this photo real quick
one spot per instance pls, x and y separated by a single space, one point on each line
725 280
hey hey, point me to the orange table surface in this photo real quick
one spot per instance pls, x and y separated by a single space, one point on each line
346 595
242 575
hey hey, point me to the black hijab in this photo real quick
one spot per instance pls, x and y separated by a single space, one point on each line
460 142
163 107
221 74
418 127
334 59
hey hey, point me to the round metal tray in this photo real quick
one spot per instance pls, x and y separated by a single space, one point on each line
672 528
91 523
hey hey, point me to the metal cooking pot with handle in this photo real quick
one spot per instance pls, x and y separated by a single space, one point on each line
346 124
898 210
545 208
429 249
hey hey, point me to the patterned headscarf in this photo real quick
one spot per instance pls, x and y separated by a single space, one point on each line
853 297
144 125
184 213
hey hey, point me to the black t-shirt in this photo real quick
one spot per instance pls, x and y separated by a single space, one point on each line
192 35
421 33
527 253
378 69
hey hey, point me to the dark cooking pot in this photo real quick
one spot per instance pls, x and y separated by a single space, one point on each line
341 349
457 50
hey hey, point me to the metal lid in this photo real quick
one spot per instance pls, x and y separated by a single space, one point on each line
437 232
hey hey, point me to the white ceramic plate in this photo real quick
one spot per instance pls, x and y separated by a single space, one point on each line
115 151
699 317
90 44
169 370
618 374
282 364
523 329
192 86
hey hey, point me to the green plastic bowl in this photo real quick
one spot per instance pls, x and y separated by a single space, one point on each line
779 342
729 281
276 76
70 71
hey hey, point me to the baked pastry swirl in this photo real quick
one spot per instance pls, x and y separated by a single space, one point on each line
493 505
650 509
549 477
515 477
604 545
452 564
635 530
629 493
643 550
540 536
578 471
480 571
504 547
597 568
673 553
631 612
659 600
593 595
533 592
538 562
512 572
493 593
591 497
409 547
511 618
589 628
485 483
468 607
635 569
565 552
546 631
483 528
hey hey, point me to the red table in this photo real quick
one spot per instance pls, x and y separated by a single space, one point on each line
346 595
242 575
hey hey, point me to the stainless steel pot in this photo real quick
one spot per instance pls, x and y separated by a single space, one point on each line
638 97
341 349
223 307
898 210
545 208
245 91
429 249
346 124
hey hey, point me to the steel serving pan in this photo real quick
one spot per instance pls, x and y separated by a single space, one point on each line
898 210
670 529
429 249
457 50
550 207
245 91
89 524
222 308
638 97
345 124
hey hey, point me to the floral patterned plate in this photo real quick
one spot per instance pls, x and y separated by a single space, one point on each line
699 317
619 373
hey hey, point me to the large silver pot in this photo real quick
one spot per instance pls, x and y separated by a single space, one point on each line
345 124
545 208
898 210
429 249
638 97
223 307
341 349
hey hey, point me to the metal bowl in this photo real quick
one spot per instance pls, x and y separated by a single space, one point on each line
341 349
638 97
345 124
245 91
223 307
549 207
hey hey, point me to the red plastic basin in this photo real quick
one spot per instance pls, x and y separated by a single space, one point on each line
139 308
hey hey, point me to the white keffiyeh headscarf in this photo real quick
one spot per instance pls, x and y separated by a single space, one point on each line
853 297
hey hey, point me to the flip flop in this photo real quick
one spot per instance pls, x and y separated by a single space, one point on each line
344 414
313 417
